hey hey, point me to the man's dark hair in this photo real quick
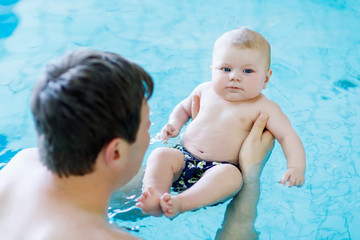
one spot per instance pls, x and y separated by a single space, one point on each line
83 101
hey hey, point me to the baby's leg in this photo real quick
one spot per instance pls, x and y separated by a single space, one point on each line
219 183
162 165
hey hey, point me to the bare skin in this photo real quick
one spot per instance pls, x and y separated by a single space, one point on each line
229 105
169 162
36 198
37 204
240 214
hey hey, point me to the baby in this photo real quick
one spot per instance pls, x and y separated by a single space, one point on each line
205 168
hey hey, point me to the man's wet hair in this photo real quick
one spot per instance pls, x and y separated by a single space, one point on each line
83 101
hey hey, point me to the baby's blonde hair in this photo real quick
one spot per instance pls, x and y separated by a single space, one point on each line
243 37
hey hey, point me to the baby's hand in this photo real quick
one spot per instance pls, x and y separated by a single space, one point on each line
295 177
169 130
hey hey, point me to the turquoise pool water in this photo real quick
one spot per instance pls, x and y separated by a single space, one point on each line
316 78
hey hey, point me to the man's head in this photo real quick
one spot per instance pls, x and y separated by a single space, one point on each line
83 101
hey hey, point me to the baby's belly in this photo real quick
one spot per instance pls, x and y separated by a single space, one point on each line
214 145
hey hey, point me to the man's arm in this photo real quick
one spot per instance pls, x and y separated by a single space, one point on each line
240 214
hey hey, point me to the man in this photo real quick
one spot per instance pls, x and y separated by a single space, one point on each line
91 116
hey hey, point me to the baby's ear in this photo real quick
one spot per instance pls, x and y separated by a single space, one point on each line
211 67
267 77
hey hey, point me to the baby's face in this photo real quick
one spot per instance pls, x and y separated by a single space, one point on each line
239 73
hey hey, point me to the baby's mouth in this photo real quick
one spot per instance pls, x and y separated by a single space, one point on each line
234 88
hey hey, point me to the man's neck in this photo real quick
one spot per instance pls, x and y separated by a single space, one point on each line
83 192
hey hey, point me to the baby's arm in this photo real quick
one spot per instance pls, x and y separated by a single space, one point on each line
180 115
279 125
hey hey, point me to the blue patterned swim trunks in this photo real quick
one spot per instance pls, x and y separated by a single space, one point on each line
192 171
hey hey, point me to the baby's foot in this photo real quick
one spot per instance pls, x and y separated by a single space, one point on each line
170 205
149 202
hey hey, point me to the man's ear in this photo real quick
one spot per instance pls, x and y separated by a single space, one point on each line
116 152
267 77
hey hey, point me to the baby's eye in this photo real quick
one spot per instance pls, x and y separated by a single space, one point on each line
248 71
226 69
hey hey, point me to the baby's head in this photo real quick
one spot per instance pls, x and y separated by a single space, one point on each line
245 38
240 65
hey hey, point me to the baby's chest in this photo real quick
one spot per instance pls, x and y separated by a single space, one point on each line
240 117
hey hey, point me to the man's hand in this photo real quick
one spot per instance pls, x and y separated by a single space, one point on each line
240 214
195 106
256 148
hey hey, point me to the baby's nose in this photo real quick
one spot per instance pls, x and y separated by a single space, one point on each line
235 76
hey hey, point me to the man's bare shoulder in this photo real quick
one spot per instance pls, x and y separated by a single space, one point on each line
88 233
29 154
91 233
59 226
21 163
